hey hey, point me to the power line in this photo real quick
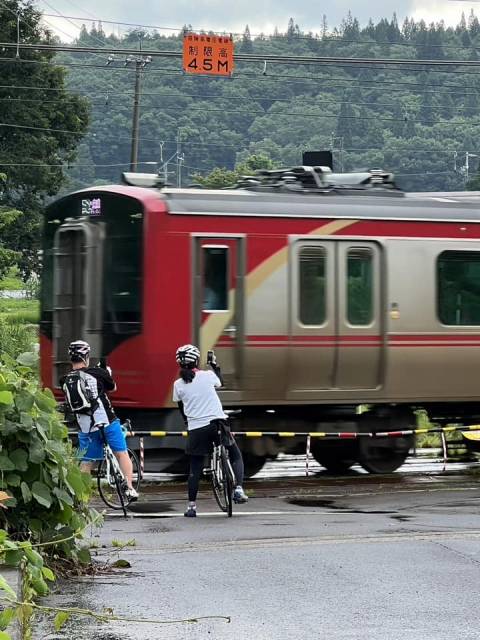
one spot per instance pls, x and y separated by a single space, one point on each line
69 165
258 76
269 58
378 86
333 102
323 39
60 15
265 113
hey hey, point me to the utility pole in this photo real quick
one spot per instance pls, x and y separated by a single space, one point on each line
333 138
467 164
140 64
180 160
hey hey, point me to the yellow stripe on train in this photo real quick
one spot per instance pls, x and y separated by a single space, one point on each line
158 433
287 434
253 434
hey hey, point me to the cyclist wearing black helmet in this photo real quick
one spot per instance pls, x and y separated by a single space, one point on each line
198 401
85 390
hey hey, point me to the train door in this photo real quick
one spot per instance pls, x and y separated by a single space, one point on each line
218 305
359 320
312 321
77 289
335 321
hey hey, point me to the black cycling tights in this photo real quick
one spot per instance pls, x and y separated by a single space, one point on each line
196 468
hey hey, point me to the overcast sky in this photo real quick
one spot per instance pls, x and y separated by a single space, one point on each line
260 15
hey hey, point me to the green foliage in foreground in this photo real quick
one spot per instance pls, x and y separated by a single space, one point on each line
49 493
43 494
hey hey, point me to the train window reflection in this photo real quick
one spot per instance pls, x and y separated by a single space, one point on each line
312 274
359 287
215 279
458 287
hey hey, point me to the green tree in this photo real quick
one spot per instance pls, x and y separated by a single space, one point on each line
8 228
219 178
45 121
254 163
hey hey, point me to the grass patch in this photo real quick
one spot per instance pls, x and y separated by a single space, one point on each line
12 282
19 311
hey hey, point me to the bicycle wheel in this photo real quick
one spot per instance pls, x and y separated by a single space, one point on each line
228 484
222 484
112 485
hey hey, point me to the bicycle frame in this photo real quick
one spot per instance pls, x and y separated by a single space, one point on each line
216 462
222 476
112 463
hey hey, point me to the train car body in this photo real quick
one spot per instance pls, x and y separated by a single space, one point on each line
315 304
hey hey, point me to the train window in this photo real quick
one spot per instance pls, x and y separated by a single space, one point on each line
359 287
458 287
312 285
215 278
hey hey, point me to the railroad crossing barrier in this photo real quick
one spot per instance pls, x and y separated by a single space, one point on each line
318 434
309 435
314 434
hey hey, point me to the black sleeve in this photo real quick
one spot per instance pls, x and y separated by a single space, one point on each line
103 377
180 407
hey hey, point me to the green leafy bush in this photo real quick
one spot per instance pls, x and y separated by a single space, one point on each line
37 467
16 339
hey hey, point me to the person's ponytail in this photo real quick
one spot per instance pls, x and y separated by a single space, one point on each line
187 374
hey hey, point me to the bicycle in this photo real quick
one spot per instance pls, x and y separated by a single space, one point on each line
221 475
112 485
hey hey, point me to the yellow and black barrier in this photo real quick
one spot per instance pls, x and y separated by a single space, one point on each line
467 431
317 434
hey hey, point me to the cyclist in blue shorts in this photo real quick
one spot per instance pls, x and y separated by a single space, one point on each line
85 390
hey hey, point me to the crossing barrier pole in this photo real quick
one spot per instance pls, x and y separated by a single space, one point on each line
307 456
445 450
142 457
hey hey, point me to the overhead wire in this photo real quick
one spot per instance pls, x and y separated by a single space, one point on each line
327 38
261 112
334 101
146 93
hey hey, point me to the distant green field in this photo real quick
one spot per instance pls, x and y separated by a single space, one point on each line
22 311
12 282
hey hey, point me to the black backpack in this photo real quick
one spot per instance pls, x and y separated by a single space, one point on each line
79 397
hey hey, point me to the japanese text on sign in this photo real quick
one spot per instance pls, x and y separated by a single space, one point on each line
207 54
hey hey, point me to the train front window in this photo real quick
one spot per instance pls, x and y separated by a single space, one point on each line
215 278
458 288
312 275
359 287
123 271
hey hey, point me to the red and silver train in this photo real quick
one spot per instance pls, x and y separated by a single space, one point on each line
320 294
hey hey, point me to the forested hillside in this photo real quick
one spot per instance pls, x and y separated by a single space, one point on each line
418 122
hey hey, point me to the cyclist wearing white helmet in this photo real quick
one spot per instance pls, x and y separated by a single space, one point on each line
85 389
200 406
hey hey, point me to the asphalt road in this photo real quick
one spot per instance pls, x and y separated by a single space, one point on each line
360 557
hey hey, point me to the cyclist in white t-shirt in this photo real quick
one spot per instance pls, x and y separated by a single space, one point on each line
200 406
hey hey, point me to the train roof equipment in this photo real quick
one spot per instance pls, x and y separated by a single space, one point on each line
300 179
